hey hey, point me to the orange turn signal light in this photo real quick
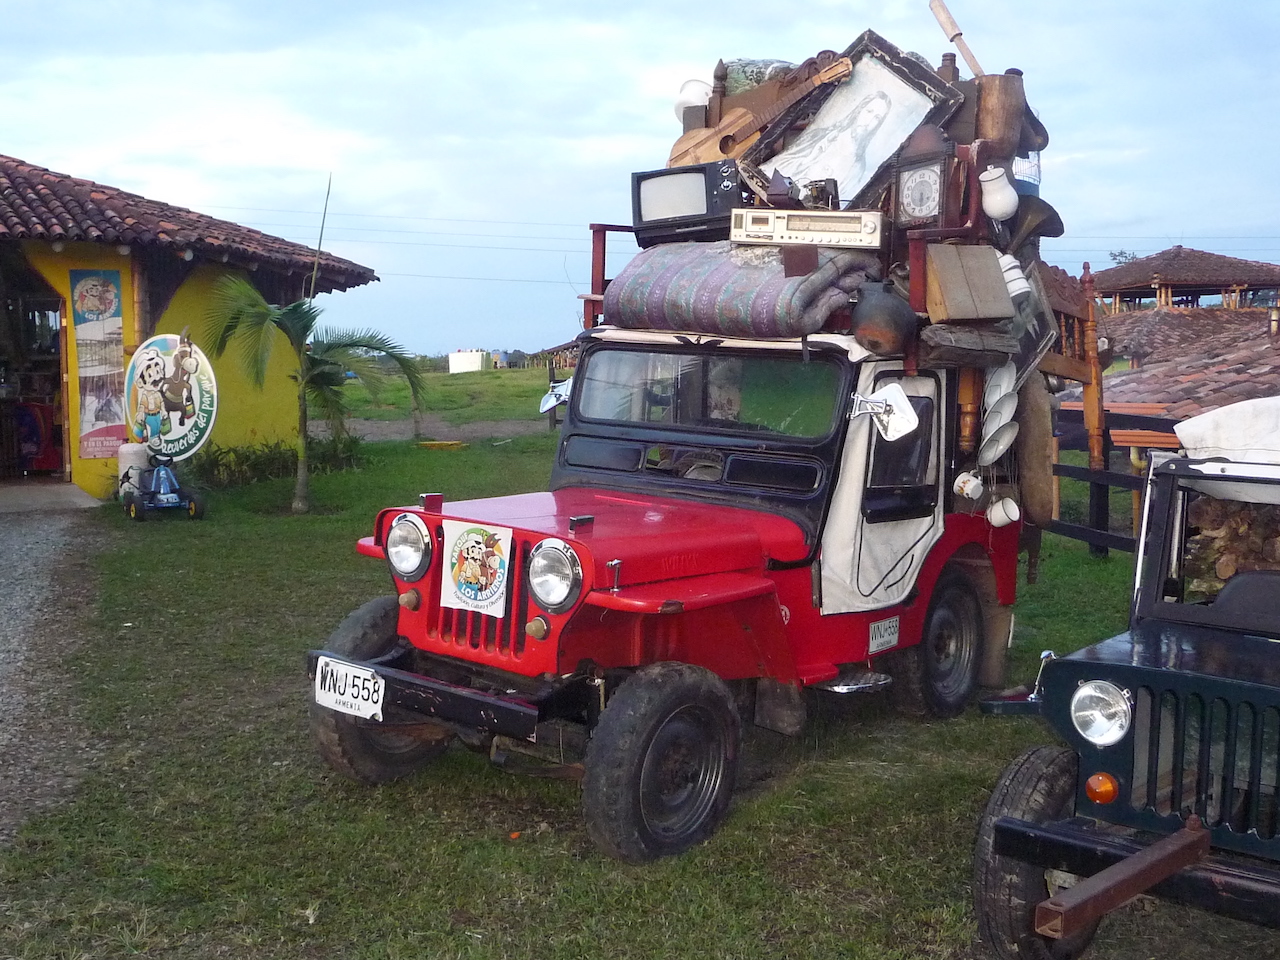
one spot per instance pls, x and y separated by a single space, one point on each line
1101 788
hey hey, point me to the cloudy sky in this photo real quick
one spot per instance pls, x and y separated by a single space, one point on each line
471 143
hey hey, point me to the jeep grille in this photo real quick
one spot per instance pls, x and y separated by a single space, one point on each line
497 639
1207 755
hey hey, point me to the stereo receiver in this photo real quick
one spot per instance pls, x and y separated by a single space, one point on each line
823 228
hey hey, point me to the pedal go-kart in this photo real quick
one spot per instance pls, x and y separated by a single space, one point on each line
156 487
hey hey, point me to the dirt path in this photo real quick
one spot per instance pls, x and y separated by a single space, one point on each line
43 748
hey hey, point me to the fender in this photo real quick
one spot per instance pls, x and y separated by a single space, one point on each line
969 537
729 623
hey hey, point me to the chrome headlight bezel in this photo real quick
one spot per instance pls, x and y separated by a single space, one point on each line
555 558
411 559
1101 712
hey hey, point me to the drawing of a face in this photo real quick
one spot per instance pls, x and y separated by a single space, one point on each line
868 118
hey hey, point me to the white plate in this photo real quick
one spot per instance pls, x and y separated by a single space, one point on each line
1001 412
349 689
996 444
999 382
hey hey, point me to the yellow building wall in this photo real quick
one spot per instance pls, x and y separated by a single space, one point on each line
246 414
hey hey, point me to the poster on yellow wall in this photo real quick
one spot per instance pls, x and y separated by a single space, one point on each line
99 329
173 396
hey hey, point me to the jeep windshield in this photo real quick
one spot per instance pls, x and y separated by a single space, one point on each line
743 427
783 395
1218 553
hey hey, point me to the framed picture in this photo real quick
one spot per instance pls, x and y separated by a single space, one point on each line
1035 326
856 126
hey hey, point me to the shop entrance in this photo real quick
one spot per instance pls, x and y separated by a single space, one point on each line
33 392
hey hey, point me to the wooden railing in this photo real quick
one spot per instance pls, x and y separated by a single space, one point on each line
1133 426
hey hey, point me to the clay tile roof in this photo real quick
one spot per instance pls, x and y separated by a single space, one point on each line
39 204
1237 361
1065 292
1183 266
1165 333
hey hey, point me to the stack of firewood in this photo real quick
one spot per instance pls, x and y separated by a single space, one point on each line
1231 537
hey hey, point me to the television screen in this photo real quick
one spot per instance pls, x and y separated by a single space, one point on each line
677 195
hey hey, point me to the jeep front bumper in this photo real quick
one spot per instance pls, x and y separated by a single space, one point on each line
462 708
1228 884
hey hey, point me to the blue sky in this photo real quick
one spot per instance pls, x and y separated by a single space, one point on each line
471 144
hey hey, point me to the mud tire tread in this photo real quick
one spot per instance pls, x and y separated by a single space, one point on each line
1038 787
914 691
620 743
346 743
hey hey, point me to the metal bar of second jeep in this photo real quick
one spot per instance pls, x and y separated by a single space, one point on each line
1073 909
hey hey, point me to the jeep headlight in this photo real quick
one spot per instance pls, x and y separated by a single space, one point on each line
1101 712
555 575
409 547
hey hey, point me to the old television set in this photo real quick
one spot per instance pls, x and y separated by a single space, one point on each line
685 203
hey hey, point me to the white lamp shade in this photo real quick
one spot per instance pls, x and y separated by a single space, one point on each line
693 93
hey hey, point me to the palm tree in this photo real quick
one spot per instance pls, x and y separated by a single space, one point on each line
237 311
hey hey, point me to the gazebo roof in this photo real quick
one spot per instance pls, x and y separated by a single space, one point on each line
39 204
1187 270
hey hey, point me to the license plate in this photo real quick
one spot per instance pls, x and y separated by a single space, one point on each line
348 689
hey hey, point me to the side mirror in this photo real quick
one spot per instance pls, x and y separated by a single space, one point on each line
558 394
890 410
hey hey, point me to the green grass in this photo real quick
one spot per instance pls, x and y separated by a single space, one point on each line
209 828
457 397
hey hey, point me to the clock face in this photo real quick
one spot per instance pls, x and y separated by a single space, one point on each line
920 192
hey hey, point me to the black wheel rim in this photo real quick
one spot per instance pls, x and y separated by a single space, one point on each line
952 647
683 771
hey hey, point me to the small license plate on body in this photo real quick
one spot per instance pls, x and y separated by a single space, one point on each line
884 635
349 689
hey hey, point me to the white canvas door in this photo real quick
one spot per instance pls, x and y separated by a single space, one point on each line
886 511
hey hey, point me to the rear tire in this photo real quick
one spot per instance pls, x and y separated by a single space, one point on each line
1039 787
938 676
363 749
195 506
661 763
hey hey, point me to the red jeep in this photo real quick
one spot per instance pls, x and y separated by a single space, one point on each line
729 522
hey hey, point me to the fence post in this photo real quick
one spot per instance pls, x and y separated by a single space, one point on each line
1100 499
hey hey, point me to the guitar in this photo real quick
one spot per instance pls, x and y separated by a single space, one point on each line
740 128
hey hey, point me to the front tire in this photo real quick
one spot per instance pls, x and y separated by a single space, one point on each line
133 508
937 677
661 763
362 749
1039 787
195 506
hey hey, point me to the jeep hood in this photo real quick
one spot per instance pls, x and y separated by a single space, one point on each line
655 538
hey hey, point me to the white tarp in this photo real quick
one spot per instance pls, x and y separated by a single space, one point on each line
866 565
1248 431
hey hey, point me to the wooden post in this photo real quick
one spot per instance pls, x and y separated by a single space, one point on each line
593 302
1057 481
969 392
715 106
1093 408
1099 493
1100 504
1138 467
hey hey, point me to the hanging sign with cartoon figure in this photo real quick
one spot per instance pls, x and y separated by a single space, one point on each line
477 563
173 397
99 331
